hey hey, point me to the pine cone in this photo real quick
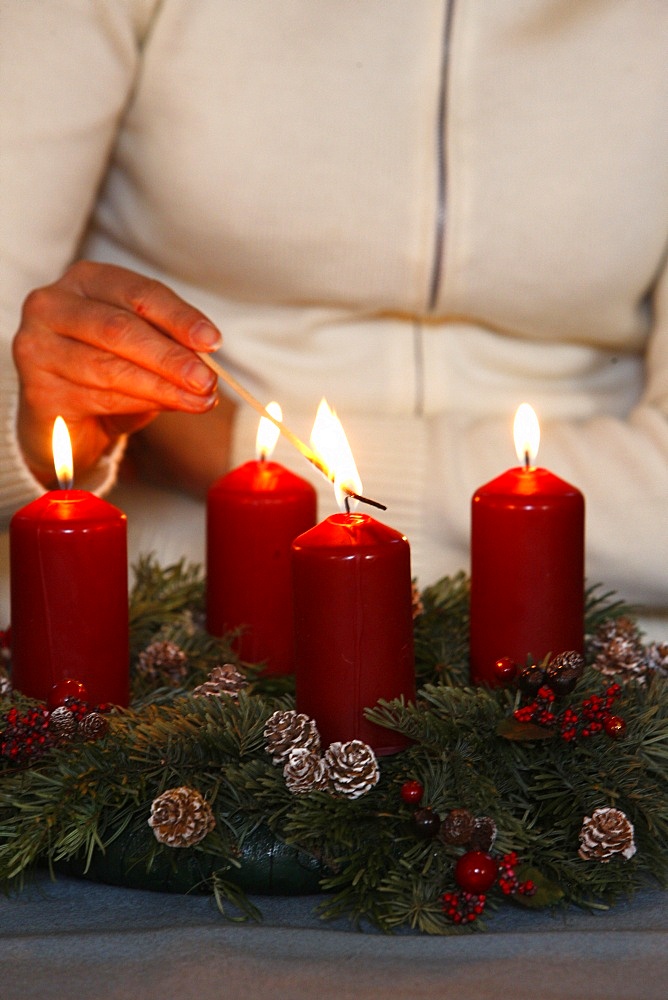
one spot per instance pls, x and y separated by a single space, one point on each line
605 833
572 659
484 834
63 724
304 771
163 661
624 660
225 679
657 658
5 684
617 628
564 671
352 768
93 726
457 827
181 817
619 651
285 731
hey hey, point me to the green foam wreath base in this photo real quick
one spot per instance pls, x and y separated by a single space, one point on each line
265 866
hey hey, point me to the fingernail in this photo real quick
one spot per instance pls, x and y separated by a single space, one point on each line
205 337
198 404
199 377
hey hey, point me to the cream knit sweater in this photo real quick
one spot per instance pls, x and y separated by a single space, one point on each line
426 211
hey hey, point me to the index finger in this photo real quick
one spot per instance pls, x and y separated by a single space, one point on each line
147 298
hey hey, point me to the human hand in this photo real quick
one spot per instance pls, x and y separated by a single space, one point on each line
107 349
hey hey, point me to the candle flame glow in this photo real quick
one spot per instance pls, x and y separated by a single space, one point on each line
526 431
267 432
62 454
329 441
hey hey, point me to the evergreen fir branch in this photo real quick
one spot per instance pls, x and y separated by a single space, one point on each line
228 894
441 632
603 605
161 595
81 801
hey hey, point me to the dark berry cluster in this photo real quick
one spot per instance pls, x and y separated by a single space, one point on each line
24 735
463 907
595 716
476 873
508 881
592 716
540 710
27 733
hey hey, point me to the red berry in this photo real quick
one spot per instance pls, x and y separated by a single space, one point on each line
615 726
412 792
66 688
476 871
505 670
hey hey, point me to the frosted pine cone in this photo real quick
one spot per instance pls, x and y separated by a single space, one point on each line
657 658
222 680
484 834
605 833
571 659
63 724
285 731
352 768
5 684
457 827
304 771
181 817
564 671
619 651
163 661
617 628
93 726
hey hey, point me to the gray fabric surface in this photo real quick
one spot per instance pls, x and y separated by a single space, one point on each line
73 939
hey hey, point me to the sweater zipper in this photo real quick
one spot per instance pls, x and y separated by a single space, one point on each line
441 166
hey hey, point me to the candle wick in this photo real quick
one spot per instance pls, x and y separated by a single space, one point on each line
527 459
346 501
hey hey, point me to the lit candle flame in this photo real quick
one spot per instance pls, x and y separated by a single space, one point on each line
267 432
62 454
526 431
329 441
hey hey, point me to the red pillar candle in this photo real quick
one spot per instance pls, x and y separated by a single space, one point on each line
253 515
69 596
353 610
527 566
354 627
